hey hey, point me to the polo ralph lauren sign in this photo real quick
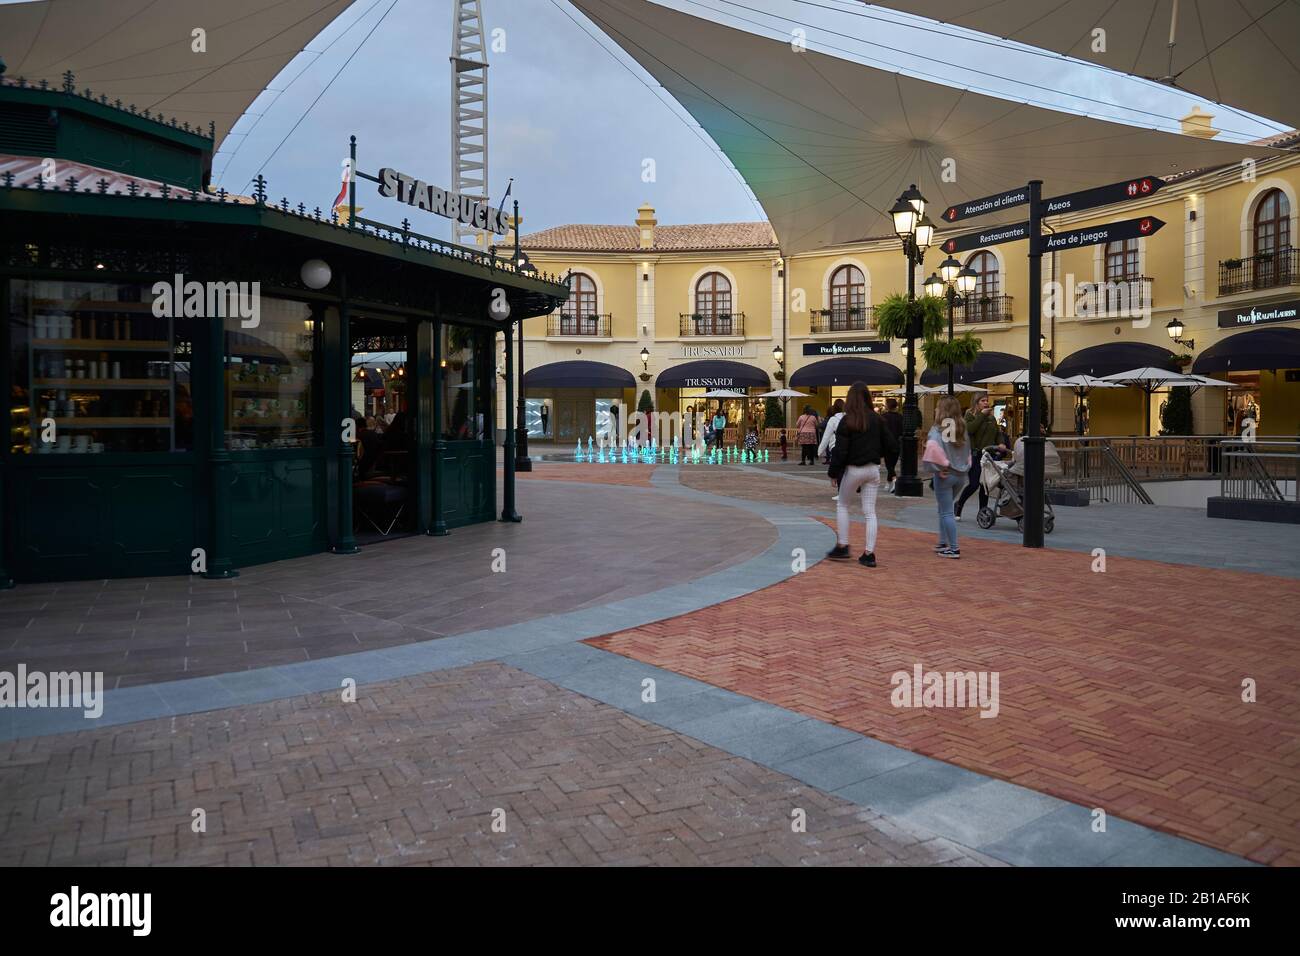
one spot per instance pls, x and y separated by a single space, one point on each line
869 347
1255 314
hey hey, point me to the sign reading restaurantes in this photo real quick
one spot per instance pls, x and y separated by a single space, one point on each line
442 202
1255 314
869 347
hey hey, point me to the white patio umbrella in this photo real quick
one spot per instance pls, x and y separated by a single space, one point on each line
1149 379
1021 377
1081 385
918 388
783 393
1202 381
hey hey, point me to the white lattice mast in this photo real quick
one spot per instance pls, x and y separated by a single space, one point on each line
469 119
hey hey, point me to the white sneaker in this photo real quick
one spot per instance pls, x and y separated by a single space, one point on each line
956 517
835 497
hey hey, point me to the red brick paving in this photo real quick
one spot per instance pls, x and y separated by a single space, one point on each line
411 774
1119 690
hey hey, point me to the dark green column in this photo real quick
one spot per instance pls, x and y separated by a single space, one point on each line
341 375
6 581
439 524
221 469
508 512
421 391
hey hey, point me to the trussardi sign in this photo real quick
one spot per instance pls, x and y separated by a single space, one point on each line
442 202
1255 314
717 351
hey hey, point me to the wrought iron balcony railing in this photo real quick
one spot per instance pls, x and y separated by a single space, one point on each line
856 318
983 308
716 323
1112 298
570 323
1266 270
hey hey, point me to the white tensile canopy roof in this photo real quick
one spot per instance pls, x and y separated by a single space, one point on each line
827 144
140 51
1241 53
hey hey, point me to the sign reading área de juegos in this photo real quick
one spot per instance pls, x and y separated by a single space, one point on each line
442 202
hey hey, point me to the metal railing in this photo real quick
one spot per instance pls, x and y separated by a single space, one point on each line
1260 470
978 309
569 323
1091 464
857 318
1265 270
717 323
1113 297
1159 456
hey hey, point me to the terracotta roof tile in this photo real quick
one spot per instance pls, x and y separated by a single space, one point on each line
591 238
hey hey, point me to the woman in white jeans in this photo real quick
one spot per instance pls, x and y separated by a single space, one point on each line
861 441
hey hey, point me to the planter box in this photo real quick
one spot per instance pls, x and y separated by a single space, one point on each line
1280 512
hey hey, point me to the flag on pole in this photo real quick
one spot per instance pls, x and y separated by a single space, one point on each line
505 195
342 198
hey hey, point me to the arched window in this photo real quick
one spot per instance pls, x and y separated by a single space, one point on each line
1122 260
579 312
848 298
713 304
1272 236
983 305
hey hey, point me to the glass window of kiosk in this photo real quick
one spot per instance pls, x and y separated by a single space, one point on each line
98 367
468 383
272 392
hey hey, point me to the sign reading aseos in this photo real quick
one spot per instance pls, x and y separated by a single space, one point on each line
442 202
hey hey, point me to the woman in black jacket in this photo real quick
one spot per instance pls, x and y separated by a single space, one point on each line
861 441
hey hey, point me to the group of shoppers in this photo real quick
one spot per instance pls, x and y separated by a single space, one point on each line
858 439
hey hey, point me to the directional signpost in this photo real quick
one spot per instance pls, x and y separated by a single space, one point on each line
982 207
1031 196
1096 235
1102 195
993 237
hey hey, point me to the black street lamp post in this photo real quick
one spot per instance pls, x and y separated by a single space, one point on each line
954 283
522 461
916 233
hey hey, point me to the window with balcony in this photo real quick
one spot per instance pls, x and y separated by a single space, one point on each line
1272 240
986 303
1272 260
578 315
848 302
713 314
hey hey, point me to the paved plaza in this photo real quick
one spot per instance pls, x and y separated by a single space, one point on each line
652 680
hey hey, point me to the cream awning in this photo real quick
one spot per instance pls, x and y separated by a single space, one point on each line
1241 53
827 144
140 51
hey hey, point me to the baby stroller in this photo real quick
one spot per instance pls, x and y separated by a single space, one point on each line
1005 484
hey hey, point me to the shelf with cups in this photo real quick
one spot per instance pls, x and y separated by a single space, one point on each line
100 345
128 422
144 384
92 305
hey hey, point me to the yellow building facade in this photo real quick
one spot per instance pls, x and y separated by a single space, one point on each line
674 310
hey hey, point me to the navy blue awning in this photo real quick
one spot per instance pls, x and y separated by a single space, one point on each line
1251 351
1102 360
846 370
987 364
578 374
713 374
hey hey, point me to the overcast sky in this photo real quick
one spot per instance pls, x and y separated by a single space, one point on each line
572 118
